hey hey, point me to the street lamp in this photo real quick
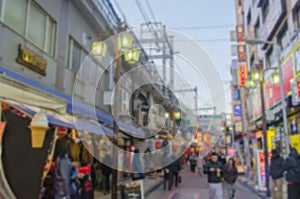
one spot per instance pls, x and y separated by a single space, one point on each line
258 76
122 44
277 77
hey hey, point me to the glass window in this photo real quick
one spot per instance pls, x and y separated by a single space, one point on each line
283 37
76 58
36 26
50 38
296 17
15 15
40 26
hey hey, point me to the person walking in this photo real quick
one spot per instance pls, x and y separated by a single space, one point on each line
193 162
166 164
175 168
214 170
138 172
292 167
276 175
106 172
201 165
230 176
64 174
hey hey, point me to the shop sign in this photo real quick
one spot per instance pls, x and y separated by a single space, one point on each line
242 74
287 72
295 142
133 190
237 94
261 172
237 110
241 53
32 60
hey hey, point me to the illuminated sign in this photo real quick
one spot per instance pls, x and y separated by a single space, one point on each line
31 60
260 159
243 74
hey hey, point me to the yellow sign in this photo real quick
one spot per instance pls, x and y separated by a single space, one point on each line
295 142
31 60
270 135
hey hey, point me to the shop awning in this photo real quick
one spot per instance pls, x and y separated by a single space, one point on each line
67 121
14 86
11 89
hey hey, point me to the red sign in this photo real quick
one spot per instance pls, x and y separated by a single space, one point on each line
298 88
243 74
241 53
287 72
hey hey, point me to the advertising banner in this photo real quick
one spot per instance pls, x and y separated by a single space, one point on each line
261 172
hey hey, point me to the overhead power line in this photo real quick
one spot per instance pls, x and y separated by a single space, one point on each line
151 11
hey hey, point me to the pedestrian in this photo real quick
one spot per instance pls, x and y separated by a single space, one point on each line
138 172
292 167
175 168
106 173
147 158
64 175
201 165
276 175
214 170
167 172
230 176
193 162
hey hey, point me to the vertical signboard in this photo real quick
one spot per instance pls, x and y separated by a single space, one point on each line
261 172
242 74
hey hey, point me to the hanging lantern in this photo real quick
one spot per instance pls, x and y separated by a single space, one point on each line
177 115
99 49
167 115
257 75
275 78
250 84
125 41
132 56
38 127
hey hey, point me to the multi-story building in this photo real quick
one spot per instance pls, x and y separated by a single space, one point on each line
45 63
276 21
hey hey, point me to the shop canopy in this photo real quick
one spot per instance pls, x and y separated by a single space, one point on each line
67 121
23 90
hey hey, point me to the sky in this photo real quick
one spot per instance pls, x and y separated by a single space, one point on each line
207 22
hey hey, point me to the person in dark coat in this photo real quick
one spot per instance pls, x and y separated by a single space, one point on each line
214 170
167 171
292 167
193 162
63 175
276 175
175 168
230 176
106 171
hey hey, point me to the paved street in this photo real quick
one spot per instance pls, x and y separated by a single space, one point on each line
195 187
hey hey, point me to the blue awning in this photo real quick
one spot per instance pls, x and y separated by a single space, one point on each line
81 108
68 121
74 106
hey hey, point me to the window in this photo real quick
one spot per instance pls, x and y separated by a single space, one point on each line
76 57
249 17
40 28
256 29
296 17
15 16
265 10
283 37
270 57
